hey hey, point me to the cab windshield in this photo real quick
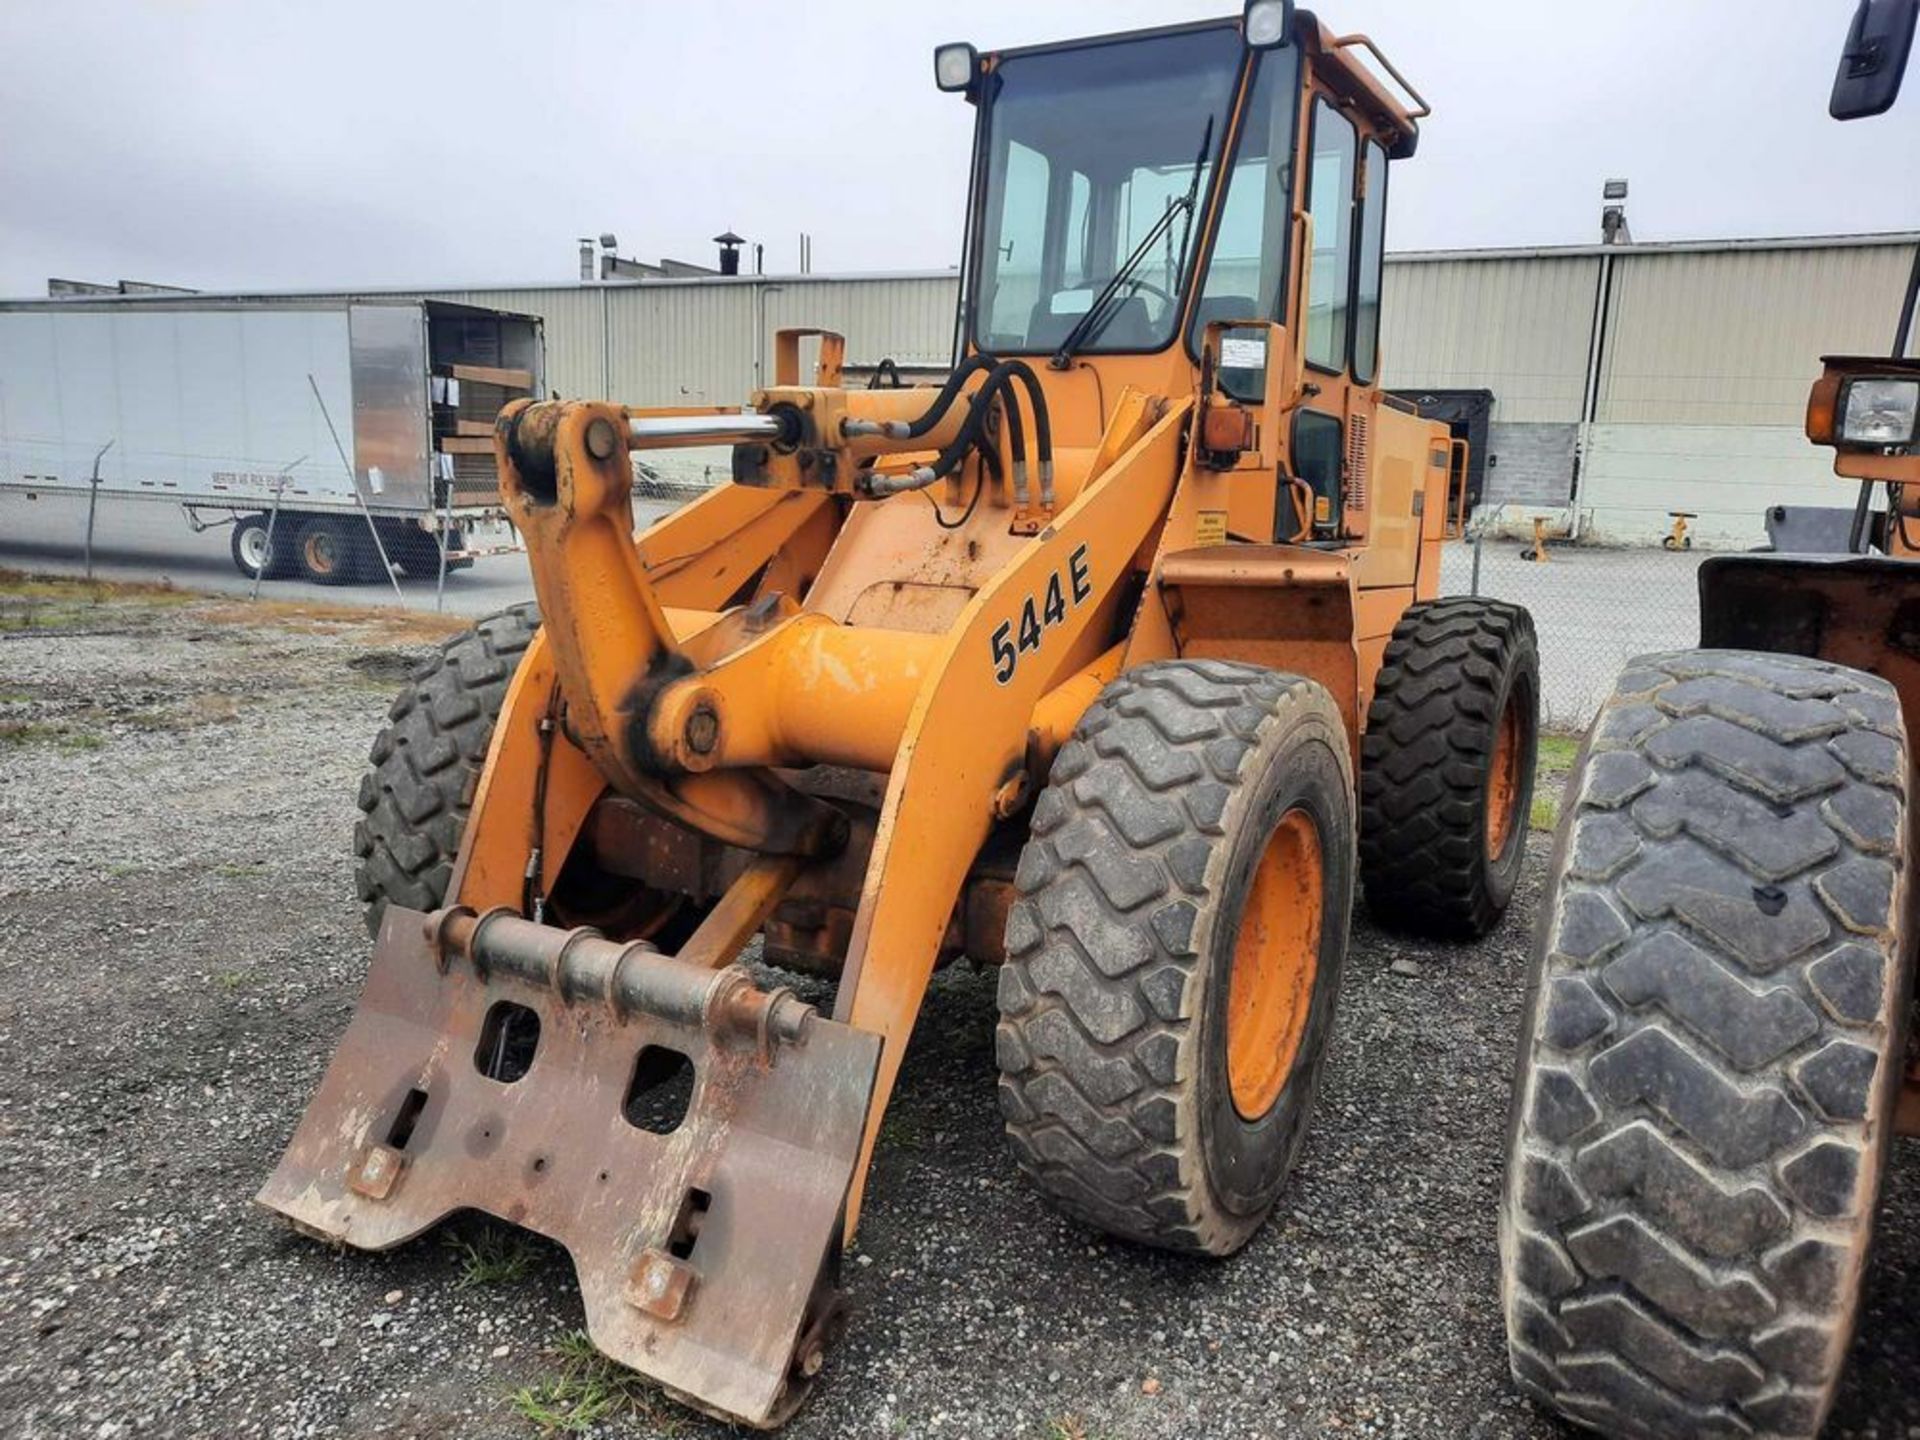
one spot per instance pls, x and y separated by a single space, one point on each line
1090 152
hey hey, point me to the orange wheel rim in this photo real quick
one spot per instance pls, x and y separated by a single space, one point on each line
1503 783
320 557
1275 959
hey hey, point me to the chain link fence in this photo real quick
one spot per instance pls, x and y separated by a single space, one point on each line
1593 607
257 549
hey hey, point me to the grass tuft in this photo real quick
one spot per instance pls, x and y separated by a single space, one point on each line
493 1255
29 601
1067 1427
31 732
587 1391
1557 754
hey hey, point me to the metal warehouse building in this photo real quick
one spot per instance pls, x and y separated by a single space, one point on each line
1615 382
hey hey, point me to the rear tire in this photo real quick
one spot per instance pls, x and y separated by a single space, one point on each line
1446 767
421 774
1712 1050
1174 952
330 550
417 552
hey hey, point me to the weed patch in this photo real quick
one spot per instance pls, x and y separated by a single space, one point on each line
588 1390
1557 754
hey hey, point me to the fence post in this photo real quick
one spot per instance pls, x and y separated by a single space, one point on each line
93 500
446 530
273 518
1479 539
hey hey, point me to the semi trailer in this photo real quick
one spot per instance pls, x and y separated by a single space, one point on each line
336 437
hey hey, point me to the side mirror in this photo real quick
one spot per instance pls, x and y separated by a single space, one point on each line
1878 44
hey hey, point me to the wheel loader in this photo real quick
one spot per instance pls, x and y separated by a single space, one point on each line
1716 1054
1115 661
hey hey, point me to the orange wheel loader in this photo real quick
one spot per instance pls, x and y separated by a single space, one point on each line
1716 1052
1115 661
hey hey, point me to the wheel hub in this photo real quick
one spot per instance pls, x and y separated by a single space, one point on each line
321 554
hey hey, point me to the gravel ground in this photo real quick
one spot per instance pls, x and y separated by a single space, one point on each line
179 948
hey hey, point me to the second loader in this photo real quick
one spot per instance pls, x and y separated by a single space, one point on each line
1114 661
1717 1048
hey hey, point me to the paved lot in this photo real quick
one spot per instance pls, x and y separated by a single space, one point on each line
179 948
152 541
1595 610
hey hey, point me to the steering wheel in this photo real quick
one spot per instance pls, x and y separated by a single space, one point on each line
1134 283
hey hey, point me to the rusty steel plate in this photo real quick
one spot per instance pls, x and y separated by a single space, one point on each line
705 1256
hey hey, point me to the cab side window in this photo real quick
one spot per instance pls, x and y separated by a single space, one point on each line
1330 203
1366 281
1247 266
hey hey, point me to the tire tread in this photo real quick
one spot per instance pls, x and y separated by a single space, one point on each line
1430 737
1701 1110
424 765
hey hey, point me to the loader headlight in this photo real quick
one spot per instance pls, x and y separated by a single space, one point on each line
954 66
1268 23
1880 412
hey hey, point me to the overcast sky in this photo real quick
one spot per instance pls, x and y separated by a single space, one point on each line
313 143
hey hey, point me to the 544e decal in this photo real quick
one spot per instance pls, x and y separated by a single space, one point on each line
1065 590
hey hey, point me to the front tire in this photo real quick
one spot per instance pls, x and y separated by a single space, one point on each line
1712 1050
1174 953
421 774
255 556
1446 767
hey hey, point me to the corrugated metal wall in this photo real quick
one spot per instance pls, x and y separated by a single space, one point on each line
1734 337
1519 327
1705 335
1708 353
693 343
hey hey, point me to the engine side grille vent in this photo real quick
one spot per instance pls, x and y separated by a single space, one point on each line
1358 462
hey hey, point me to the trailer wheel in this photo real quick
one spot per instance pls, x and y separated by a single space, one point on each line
330 550
1712 1050
421 774
1446 767
254 555
1174 951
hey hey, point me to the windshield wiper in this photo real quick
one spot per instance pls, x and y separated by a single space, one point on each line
1100 312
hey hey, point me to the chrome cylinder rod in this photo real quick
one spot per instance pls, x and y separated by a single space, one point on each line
678 432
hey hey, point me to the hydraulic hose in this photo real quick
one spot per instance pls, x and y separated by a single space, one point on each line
999 385
1002 373
972 432
1042 424
969 436
942 402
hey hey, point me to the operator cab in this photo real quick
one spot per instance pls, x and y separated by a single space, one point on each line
1131 191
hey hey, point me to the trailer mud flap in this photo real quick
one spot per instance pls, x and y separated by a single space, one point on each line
498 1065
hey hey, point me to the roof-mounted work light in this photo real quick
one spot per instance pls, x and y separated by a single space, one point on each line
955 65
1268 23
